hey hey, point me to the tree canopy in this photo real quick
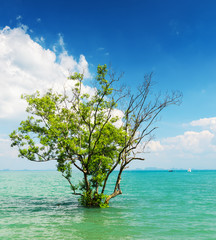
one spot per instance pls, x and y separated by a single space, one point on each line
82 130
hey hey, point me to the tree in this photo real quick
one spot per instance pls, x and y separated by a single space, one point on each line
80 130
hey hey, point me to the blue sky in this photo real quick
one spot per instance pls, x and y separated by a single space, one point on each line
41 40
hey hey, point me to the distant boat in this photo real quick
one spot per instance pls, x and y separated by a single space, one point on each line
170 170
189 170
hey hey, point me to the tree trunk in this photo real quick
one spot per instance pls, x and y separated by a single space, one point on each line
114 194
86 182
117 190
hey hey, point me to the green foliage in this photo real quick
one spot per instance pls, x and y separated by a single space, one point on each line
93 199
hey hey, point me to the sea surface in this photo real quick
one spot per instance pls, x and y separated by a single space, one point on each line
154 205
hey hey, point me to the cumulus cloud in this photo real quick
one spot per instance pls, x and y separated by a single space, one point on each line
25 66
194 142
155 146
195 149
118 113
209 123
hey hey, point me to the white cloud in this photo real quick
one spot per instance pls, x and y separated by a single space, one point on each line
195 149
118 113
191 149
25 66
209 123
193 142
190 142
154 146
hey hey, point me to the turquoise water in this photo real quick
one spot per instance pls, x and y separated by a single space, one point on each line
154 205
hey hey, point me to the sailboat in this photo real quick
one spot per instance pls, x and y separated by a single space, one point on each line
189 170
